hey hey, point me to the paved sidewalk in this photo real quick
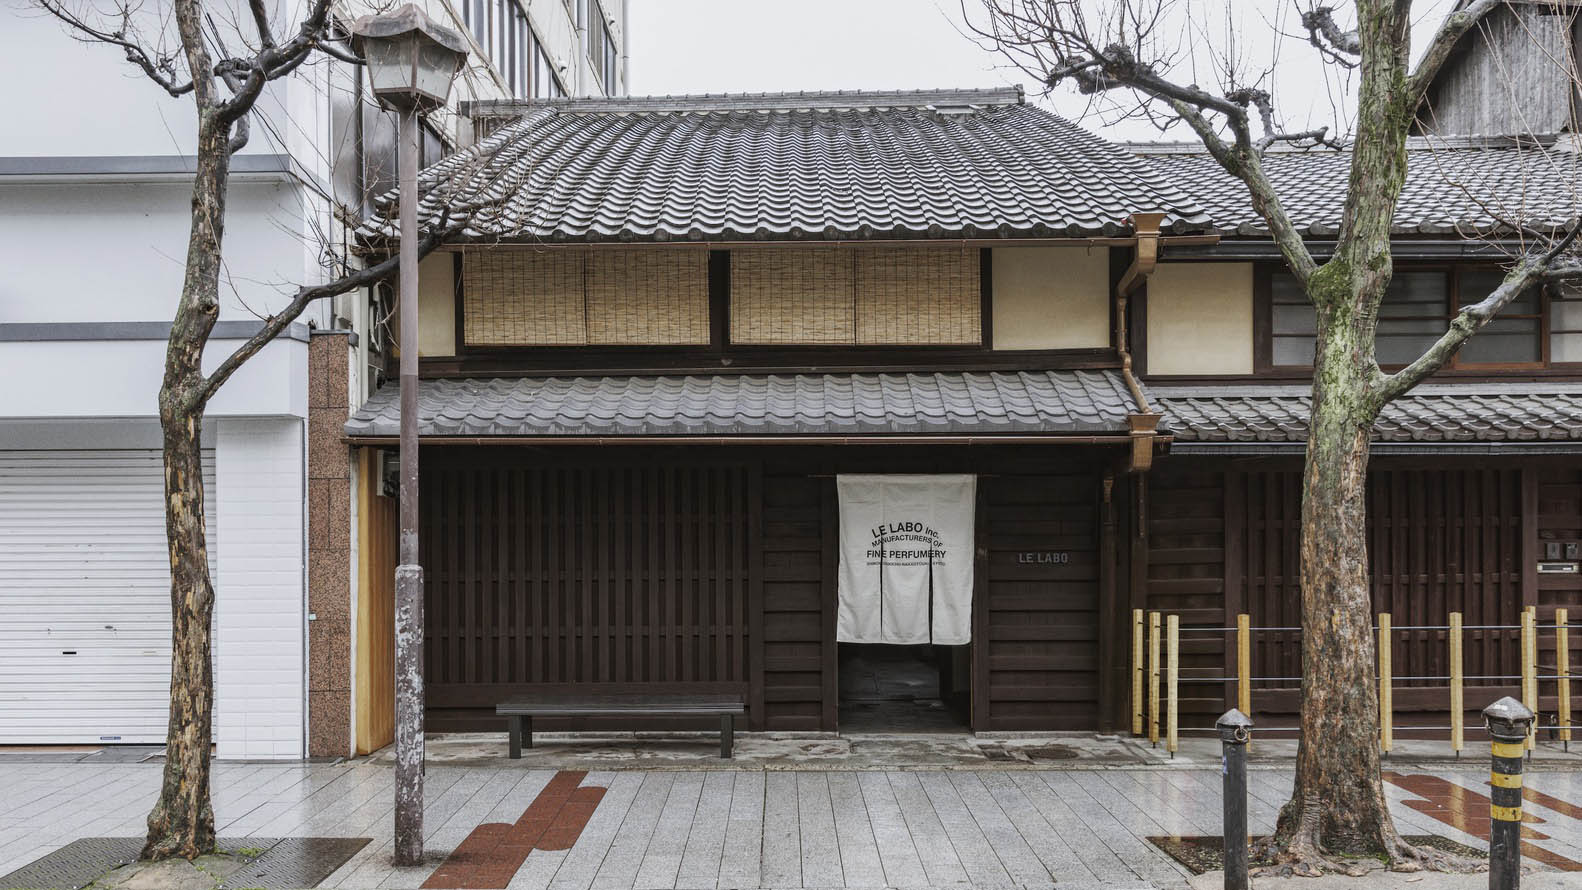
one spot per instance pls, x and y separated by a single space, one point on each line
746 828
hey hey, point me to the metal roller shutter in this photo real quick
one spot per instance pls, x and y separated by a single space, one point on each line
85 596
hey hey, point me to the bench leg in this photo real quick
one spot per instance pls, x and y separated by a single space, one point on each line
527 731
727 735
516 736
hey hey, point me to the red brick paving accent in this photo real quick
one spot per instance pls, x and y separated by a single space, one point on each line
1468 810
491 855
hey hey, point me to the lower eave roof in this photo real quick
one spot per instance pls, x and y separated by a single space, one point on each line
1526 415
1052 403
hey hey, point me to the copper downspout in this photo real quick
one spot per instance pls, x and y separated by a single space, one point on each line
1145 423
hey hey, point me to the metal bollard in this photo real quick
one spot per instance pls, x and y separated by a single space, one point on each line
1235 730
1508 721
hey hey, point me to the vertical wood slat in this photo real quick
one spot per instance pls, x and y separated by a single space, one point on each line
1235 590
982 715
754 593
830 564
669 611
724 565
553 519
687 512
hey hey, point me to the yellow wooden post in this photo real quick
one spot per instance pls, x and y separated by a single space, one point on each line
1153 678
1137 672
1172 679
1457 703
1386 699
1244 664
1563 671
1529 638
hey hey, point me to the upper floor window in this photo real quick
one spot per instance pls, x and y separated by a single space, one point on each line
868 296
602 51
926 296
546 83
1537 329
569 296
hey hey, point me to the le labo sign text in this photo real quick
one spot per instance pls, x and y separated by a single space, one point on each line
1044 557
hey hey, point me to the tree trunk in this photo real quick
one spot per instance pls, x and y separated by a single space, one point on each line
182 822
1338 802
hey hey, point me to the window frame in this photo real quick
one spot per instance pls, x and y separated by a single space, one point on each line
1264 335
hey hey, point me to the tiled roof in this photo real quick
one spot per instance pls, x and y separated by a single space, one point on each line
961 403
1431 413
810 166
1453 186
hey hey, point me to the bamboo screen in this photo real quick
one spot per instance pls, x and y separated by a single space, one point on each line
917 295
907 296
574 297
798 295
657 296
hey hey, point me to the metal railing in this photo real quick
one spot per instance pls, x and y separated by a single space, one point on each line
1156 657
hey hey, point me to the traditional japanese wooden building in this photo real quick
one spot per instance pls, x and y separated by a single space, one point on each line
672 325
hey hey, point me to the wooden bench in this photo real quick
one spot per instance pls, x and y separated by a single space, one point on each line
521 711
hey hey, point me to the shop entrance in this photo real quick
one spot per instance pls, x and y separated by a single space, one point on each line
890 688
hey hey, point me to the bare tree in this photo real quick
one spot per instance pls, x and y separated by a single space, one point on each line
1136 48
225 85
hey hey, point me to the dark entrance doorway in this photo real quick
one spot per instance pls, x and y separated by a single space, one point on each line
886 688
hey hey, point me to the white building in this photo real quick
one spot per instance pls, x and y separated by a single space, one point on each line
94 192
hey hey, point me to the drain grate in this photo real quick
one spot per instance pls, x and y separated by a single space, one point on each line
294 861
283 864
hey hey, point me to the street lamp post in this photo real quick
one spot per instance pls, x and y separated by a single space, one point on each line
411 63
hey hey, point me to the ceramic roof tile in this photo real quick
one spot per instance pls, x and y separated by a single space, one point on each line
1458 186
790 166
956 403
1432 413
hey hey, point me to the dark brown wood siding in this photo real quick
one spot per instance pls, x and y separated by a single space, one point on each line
793 585
714 569
1558 496
1042 586
1443 536
574 576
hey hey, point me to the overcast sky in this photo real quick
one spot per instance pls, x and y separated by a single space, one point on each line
700 46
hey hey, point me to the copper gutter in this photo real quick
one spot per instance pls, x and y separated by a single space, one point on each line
457 245
1007 439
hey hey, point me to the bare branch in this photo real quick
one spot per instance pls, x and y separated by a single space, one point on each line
266 37
305 296
1341 47
1056 41
160 67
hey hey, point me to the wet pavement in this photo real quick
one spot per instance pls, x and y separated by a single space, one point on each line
1082 821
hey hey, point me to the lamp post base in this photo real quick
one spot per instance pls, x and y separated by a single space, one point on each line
409 715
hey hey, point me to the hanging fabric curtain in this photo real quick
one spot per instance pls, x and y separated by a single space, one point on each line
906 555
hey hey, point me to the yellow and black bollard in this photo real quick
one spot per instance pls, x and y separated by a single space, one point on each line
1508 721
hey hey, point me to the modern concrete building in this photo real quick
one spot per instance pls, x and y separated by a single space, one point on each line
95 180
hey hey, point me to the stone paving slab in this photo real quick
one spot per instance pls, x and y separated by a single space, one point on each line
760 827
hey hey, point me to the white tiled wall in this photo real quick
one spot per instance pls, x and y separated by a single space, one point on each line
258 588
